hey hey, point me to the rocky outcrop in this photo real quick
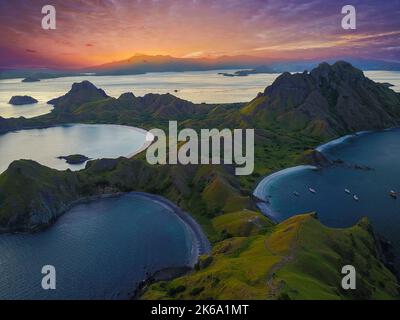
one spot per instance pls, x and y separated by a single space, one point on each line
328 101
21 100
316 158
74 158
74 105
33 196
79 94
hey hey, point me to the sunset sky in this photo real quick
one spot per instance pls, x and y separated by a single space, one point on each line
91 32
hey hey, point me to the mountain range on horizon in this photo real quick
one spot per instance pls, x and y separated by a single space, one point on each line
142 63
139 62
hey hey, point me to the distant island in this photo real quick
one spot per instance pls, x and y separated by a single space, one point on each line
245 73
21 100
31 79
141 64
74 158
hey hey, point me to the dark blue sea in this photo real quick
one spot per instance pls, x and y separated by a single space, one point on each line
371 169
100 250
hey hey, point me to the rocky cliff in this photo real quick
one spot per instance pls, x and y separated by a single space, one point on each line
328 101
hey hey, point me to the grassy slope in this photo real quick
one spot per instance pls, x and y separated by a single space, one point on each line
27 187
296 259
241 223
29 190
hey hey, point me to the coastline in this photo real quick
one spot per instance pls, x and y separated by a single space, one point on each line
270 178
338 141
66 124
56 123
262 200
65 209
133 133
201 244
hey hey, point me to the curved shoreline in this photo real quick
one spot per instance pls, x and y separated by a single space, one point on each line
135 141
201 245
338 141
270 178
40 126
66 124
263 202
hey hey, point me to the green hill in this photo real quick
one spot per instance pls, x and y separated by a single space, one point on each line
328 101
32 196
296 259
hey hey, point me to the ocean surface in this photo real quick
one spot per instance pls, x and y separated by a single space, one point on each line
196 86
94 141
100 250
377 156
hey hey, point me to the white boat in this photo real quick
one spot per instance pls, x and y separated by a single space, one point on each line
312 190
393 194
356 197
347 191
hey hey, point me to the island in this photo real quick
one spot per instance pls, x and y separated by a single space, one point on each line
74 158
387 84
245 73
21 100
31 79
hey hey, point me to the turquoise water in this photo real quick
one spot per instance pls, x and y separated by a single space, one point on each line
196 86
93 141
379 151
100 250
